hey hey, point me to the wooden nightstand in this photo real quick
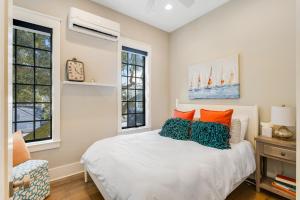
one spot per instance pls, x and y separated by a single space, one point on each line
276 149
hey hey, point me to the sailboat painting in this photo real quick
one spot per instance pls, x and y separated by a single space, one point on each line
217 79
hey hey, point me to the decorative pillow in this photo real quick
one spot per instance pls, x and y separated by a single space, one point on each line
235 131
221 117
176 128
20 150
211 134
189 115
244 125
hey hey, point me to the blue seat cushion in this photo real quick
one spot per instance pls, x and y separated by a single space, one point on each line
39 185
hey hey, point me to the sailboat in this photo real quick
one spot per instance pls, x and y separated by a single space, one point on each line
209 82
191 85
231 78
222 82
199 82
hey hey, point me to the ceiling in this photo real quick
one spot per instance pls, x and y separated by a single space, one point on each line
153 12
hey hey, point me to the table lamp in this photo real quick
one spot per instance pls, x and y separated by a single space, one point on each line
283 117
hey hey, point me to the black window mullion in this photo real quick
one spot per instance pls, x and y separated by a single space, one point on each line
34 81
25 65
33 48
33 84
144 88
46 102
15 86
127 91
38 120
51 82
135 91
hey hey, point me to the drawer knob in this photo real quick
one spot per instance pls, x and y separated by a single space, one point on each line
282 153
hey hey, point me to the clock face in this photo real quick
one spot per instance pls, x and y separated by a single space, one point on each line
75 70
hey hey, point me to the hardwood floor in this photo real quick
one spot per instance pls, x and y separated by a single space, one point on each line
74 188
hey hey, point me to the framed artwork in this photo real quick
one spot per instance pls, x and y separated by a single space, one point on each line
217 79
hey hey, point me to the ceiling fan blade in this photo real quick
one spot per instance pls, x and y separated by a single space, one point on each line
187 3
150 4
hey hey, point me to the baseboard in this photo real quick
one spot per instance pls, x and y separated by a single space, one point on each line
64 171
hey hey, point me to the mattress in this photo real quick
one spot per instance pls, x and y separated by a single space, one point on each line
147 166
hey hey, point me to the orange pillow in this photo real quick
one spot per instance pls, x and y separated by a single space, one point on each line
221 117
20 150
189 115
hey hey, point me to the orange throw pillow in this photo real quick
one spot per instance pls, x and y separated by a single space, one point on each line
20 150
189 115
221 117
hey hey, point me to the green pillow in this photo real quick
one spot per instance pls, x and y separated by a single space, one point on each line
211 134
176 128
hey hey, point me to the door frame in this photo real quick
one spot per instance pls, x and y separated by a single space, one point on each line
298 94
5 62
3 144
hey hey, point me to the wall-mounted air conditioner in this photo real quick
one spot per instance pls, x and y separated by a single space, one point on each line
90 24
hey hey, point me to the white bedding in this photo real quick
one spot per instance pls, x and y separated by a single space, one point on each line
147 166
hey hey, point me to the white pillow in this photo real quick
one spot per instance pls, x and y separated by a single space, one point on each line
235 131
244 124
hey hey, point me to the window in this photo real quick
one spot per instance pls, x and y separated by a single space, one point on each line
32 81
35 78
133 94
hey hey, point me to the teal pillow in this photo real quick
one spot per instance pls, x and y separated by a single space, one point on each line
211 134
176 128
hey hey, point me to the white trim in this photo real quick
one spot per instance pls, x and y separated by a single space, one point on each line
64 171
43 145
144 47
2 101
34 14
88 84
4 163
54 23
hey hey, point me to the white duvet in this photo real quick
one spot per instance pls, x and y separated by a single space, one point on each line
147 166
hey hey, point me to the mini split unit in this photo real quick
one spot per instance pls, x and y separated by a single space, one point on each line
90 24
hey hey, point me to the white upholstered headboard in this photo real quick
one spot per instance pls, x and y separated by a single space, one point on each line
250 111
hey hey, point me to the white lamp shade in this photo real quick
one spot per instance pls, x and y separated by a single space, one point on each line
283 116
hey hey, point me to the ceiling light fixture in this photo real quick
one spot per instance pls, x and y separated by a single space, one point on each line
168 7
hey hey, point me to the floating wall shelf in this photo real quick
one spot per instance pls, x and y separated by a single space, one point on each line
88 84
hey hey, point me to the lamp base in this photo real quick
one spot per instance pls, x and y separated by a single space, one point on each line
283 132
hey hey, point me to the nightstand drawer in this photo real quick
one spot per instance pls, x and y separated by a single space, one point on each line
280 152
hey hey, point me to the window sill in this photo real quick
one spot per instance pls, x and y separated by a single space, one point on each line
43 145
135 130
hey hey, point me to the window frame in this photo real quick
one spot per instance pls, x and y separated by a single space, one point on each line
146 48
40 19
33 29
128 51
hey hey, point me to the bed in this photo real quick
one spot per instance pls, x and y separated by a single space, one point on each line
147 166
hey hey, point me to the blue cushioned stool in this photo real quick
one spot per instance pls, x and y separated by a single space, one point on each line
39 185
